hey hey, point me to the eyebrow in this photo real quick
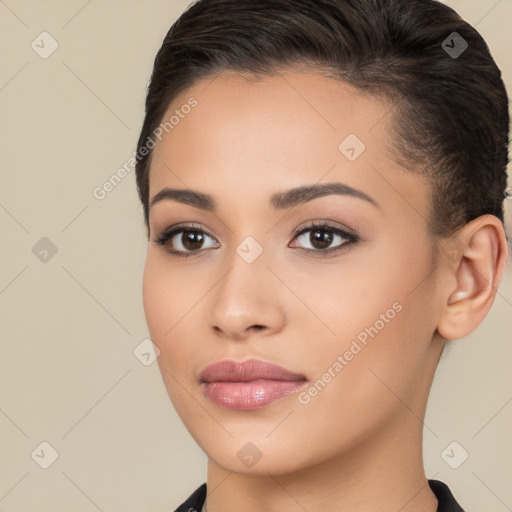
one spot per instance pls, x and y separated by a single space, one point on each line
278 201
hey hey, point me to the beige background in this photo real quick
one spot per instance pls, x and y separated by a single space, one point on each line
68 374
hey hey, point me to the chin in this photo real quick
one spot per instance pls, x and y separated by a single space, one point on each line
259 456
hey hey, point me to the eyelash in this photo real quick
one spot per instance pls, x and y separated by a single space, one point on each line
350 238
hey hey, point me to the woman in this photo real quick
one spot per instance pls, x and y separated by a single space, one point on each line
322 183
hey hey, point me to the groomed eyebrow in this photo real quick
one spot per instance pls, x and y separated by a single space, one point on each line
185 196
278 201
300 195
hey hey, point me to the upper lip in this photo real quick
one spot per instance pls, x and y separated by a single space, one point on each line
245 371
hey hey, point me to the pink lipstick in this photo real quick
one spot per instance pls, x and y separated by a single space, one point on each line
248 385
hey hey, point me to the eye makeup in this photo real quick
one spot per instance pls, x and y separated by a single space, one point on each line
320 232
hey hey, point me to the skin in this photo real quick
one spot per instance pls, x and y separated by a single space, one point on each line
357 444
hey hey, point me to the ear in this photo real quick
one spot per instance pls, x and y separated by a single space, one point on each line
476 259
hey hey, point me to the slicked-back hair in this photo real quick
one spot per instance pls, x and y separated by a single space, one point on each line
450 112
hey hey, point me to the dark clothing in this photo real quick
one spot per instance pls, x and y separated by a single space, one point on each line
444 496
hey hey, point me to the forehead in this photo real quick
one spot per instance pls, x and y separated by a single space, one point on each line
306 106
276 132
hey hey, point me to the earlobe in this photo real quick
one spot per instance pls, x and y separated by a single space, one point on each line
476 271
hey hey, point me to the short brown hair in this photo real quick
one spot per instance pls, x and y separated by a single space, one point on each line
451 119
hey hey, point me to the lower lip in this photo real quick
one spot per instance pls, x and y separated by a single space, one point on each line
245 396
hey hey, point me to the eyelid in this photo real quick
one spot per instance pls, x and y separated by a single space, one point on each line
183 226
170 232
350 236
325 224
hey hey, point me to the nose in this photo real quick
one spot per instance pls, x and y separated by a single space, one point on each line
247 301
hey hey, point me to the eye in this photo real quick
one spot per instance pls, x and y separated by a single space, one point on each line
324 238
185 240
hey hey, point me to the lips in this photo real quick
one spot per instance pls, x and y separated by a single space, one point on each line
247 385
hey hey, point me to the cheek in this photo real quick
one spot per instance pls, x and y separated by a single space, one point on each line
383 333
155 301
168 310
376 298
167 297
163 308
173 302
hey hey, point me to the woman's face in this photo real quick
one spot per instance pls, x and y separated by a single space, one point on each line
348 307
